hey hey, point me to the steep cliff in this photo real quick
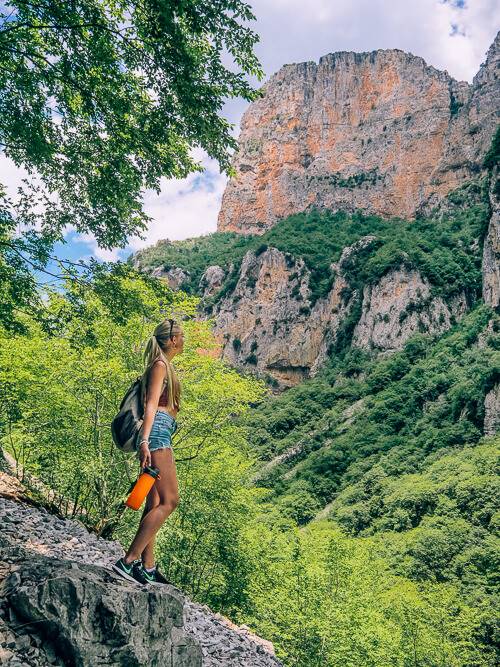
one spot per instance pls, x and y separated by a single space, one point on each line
269 323
491 248
398 306
491 288
380 132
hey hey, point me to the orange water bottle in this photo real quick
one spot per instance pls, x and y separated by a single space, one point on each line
142 487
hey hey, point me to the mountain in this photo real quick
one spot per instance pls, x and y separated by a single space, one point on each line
381 132
288 291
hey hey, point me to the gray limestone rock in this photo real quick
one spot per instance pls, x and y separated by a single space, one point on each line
93 617
211 280
174 276
492 411
398 306
268 323
491 250
65 597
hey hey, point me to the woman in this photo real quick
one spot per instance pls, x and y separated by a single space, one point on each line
162 397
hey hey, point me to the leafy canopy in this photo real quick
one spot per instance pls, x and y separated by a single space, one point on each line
100 99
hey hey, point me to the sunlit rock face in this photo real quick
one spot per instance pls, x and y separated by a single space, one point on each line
380 132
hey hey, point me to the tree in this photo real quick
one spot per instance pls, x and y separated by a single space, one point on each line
82 370
99 99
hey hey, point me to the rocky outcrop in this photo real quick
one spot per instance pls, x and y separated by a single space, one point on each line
263 322
61 604
380 132
491 424
147 261
211 280
270 325
330 314
87 617
398 306
174 276
492 411
491 250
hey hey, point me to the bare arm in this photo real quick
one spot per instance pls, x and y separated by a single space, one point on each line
154 389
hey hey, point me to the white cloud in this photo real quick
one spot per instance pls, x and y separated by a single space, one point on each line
296 31
185 208
105 255
10 175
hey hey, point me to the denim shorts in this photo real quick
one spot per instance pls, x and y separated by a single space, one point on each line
164 427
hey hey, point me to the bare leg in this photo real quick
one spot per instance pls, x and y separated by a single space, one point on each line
148 554
168 493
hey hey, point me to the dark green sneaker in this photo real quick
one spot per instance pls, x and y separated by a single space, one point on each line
160 579
155 577
126 571
142 575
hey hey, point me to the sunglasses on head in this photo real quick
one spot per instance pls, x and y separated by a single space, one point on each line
171 327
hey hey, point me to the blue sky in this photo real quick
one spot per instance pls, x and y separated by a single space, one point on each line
451 35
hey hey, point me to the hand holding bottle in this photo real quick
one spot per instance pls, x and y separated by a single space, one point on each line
144 454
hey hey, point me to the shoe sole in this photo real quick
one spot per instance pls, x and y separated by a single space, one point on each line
125 575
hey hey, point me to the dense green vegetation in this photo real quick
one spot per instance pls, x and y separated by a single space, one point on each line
331 600
438 524
401 573
392 448
445 247
194 255
427 397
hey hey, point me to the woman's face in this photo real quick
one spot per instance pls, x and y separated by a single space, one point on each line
179 341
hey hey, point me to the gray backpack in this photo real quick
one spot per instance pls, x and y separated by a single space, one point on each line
127 424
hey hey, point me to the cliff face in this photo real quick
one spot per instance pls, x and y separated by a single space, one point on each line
380 132
491 295
398 306
268 322
491 249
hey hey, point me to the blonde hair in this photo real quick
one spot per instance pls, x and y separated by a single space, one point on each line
156 347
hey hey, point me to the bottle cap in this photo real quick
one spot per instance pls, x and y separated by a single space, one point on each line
154 472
